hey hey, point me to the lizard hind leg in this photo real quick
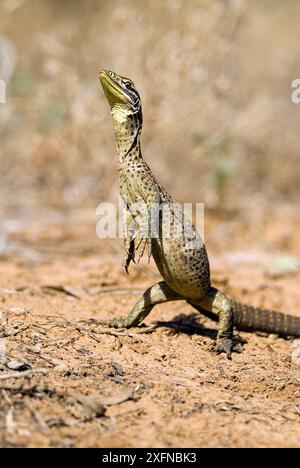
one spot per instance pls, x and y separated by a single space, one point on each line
157 294
216 306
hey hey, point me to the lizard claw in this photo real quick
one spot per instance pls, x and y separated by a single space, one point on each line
224 345
125 266
142 244
149 249
126 263
129 256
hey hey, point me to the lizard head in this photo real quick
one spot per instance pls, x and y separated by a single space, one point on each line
121 94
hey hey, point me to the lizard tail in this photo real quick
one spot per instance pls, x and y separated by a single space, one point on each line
248 318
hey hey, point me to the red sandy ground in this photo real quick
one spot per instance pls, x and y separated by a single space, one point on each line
183 394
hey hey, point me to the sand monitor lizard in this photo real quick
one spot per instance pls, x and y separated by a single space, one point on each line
179 254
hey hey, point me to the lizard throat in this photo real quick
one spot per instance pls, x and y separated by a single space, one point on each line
127 130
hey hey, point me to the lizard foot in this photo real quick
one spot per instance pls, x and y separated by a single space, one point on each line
226 345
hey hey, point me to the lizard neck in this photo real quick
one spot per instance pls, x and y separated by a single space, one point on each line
127 128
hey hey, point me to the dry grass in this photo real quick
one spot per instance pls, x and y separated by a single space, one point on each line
215 80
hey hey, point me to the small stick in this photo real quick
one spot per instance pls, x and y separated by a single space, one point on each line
49 359
121 291
19 375
38 417
85 331
107 331
15 333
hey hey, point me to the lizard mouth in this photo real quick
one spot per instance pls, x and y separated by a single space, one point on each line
113 90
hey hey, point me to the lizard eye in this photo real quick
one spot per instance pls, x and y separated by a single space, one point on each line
128 85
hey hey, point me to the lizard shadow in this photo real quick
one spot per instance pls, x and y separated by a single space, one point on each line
189 324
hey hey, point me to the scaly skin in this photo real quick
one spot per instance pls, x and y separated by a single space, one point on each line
180 257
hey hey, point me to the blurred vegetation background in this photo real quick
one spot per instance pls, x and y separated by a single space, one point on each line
215 79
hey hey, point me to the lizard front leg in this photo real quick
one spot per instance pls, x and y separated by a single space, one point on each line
157 294
149 220
129 244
